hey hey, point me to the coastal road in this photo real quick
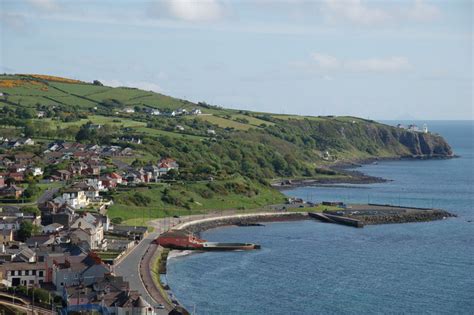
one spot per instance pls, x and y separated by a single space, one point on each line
128 268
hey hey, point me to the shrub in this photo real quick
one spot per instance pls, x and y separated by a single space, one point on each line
117 220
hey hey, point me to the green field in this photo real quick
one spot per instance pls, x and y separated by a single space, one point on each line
157 133
224 122
198 198
95 119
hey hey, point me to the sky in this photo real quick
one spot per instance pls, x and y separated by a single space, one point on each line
404 59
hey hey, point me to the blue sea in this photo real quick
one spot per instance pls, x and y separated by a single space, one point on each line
308 267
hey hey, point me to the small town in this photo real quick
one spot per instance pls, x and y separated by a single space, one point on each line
58 246
208 157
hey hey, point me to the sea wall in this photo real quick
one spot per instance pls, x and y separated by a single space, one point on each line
197 226
406 217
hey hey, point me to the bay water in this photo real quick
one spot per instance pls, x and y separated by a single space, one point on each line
307 267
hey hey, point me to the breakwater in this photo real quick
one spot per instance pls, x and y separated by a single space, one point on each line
387 214
197 226
406 217
330 218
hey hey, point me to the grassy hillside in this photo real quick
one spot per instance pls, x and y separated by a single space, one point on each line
220 142
162 200
227 157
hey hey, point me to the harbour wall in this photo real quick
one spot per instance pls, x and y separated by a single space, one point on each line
200 225
406 217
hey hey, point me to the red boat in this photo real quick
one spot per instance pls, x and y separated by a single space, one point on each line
184 240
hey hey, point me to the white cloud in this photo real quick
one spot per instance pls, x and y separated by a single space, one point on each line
389 64
326 61
354 11
147 86
189 10
422 11
359 13
327 78
47 5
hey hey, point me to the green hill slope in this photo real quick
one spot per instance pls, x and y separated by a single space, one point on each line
219 142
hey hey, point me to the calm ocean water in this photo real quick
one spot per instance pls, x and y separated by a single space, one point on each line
314 268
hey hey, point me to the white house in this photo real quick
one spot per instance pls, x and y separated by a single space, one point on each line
413 127
154 112
89 229
96 183
9 223
28 142
52 228
36 171
23 273
181 111
196 111
129 110
74 197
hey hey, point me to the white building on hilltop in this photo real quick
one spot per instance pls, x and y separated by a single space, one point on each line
425 128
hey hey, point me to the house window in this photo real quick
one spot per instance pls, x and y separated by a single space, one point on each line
27 272
32 281
33 272
40 273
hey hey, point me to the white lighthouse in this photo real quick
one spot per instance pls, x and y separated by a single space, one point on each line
425 128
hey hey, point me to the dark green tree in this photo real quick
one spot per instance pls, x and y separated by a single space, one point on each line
25 231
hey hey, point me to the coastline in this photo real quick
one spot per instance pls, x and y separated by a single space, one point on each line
349 172
197 226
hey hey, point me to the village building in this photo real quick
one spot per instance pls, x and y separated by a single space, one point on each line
75 197
131 139
196 111
89 231
78 270
52 228
22 273
6 236
9 223
12 191
129 110
40 240
153 111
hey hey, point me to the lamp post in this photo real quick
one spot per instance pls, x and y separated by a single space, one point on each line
14 289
